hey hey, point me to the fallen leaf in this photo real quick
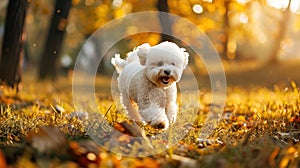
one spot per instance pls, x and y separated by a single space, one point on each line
273 155
2 160
47 139
184 161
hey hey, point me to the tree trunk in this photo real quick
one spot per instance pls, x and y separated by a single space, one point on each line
283 25
165 22
11 65
224 53
49 60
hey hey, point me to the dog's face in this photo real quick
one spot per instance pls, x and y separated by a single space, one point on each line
164 63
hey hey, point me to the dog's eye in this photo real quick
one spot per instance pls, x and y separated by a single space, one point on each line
173 63
160 63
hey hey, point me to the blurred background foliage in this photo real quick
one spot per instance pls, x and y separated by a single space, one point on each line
258 30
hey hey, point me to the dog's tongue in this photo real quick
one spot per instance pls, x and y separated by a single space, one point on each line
165 79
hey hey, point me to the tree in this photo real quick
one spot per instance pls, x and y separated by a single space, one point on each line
226 29
274 57
49 61
165 22
11 62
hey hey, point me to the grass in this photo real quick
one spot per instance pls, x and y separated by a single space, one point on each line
39 127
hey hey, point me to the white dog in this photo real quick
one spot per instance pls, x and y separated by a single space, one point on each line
147 82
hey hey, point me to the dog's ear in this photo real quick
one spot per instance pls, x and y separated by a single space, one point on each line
142 52
185 57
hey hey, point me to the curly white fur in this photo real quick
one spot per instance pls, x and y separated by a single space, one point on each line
147 82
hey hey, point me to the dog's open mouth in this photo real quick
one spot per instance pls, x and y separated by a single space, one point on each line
165 79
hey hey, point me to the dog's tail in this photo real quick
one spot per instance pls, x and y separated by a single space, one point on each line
118 62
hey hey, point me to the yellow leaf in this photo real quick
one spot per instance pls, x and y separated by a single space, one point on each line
284 162
119 13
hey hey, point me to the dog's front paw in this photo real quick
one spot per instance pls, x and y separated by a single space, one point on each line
160 120
163 125
156 117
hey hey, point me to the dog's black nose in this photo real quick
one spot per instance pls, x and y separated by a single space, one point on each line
167 72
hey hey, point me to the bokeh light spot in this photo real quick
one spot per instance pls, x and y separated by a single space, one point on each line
198 8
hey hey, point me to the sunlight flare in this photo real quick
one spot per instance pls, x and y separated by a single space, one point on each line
242 1
283 4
